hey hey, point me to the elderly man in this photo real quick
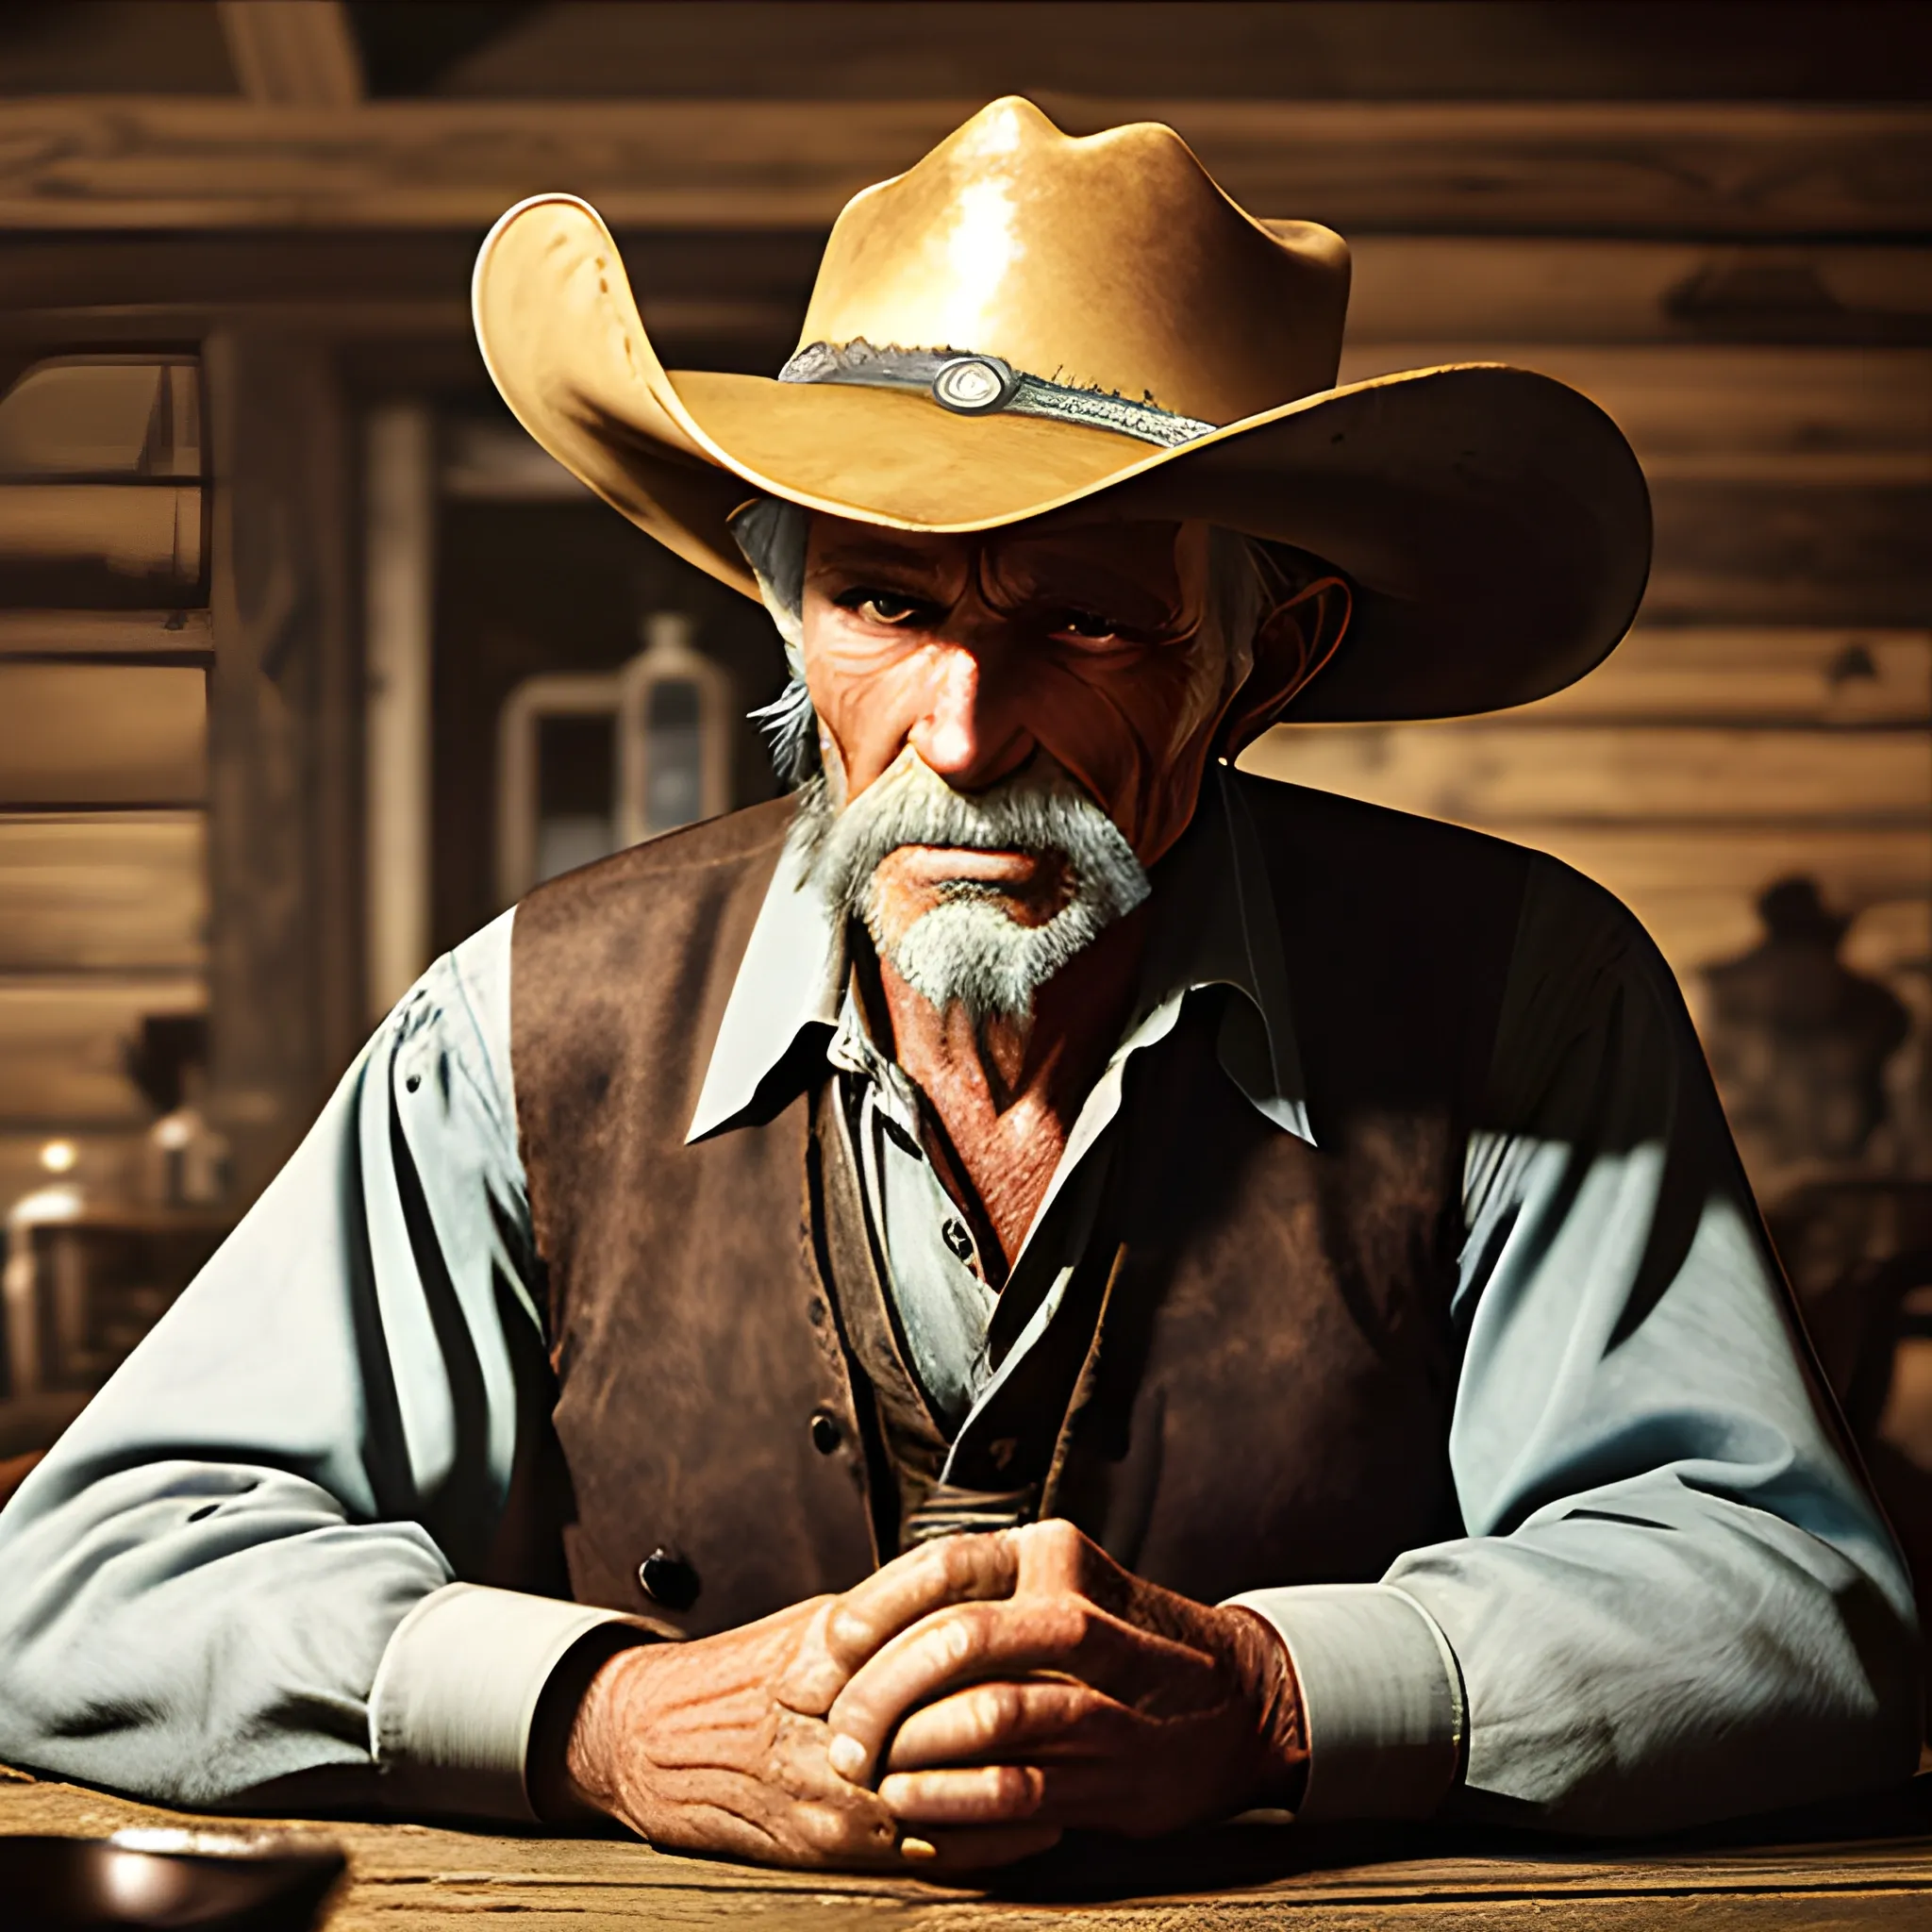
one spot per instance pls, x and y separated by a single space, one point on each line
1087 1289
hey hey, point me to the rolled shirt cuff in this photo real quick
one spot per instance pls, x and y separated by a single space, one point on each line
457 1692
1381 1698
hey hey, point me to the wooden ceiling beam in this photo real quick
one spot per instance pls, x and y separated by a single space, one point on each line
1684 170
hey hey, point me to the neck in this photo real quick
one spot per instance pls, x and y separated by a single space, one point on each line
1005 1094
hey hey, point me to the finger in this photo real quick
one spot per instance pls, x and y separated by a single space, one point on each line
1054 1555
1002 1722
958 1647
949 1570
1090 1796
982 1796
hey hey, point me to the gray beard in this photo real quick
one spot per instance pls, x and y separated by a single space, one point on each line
966 950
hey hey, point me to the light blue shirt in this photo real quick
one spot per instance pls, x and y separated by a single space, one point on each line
266 1563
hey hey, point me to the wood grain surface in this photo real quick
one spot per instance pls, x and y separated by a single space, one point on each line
77 734
1669 169
112 636
61 1046
1495 774
1725 676
412 1879
107 892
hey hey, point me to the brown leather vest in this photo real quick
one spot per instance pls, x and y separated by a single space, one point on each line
1261 1390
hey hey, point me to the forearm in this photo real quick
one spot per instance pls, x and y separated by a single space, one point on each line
199 1586
190 1632
196 1632
1676 1603
1697 1659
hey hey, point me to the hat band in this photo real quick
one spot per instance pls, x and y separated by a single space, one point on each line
975 385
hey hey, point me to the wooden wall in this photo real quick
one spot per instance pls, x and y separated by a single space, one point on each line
1770 714
1747 287
177 792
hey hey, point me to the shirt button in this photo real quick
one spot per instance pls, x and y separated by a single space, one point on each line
668 1579
955 1236
825 1432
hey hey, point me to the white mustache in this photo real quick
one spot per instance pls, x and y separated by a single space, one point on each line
1040 808
966 950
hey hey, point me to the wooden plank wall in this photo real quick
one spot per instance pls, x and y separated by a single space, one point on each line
1553 168
1772 713
177 795
1747 288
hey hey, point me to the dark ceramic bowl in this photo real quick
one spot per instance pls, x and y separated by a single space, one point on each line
185 1881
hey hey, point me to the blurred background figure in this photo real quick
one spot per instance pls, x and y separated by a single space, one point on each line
1800 1042
311 662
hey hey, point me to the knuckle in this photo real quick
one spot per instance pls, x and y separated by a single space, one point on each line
971 1632
958 1560
997 1709
1073 1621
1058 1553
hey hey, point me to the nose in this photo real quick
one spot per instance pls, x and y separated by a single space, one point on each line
970 731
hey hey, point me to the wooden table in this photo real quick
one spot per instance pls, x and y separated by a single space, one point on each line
411 1878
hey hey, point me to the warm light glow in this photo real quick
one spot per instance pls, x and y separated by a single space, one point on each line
982 247
58 1157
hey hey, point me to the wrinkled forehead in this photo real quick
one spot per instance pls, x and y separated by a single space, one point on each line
1096 559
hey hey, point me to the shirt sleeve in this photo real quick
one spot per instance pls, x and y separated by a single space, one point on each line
1676 1602
1381 1698
263 1552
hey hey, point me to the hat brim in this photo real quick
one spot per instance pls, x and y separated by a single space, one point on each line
1494 521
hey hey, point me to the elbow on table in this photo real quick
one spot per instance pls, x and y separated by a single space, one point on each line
1790 1713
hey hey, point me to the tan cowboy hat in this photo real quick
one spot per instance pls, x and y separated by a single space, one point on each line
1027 321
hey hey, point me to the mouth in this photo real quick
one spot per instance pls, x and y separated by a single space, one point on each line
1029 887
945 865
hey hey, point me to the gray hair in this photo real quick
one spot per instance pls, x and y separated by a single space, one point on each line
1244 580
966 950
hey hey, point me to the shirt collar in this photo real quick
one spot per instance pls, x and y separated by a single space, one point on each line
1214 925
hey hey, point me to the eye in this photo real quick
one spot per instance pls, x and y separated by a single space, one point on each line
1087 628
889 607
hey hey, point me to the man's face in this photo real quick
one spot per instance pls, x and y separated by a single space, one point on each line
1088 641
1016 728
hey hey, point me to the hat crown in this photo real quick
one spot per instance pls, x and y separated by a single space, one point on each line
1112 262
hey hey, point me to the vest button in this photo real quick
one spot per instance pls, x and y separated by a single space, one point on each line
825 1432
668 1579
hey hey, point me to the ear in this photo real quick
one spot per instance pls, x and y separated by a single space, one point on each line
1294 642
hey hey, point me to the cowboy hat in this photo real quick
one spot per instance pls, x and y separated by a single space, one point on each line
1027 321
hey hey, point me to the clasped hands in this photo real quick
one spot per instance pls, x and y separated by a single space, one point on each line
961 1708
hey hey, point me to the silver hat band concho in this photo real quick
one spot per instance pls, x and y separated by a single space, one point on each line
973 385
